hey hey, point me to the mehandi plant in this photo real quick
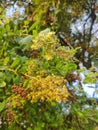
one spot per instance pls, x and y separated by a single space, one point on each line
34 86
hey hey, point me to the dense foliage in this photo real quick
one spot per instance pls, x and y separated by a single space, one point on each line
36 68
34 80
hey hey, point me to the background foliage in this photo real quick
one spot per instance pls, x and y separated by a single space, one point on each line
37 59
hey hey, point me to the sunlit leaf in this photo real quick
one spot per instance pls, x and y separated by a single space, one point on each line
26 40
2 105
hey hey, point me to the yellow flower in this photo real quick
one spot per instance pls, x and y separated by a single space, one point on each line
34 47
1 23
48 57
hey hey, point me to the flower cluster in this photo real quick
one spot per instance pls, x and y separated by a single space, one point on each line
49 45
19 90
50 88
10 116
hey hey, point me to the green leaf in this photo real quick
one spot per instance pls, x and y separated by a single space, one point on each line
40 126
3 68
29 128
1 75
37 128
6 60
26 22
16 62
54 124
17 79
2 84
53 104
7 27
58 65
2 105
71 66
9 76
26 40
32 27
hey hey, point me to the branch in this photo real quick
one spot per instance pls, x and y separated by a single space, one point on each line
11 70
26 75
95 32
29 76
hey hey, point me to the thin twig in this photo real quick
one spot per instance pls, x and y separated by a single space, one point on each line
11 70
29 76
